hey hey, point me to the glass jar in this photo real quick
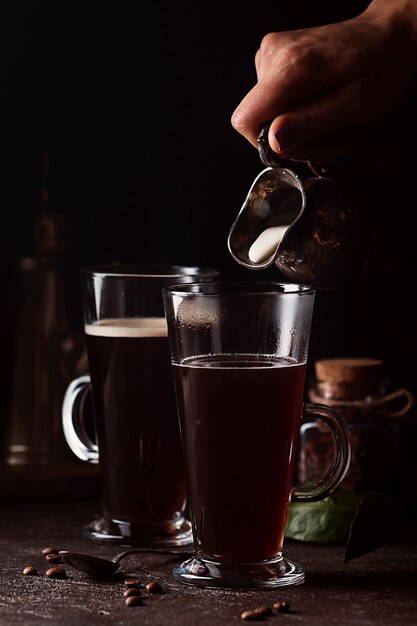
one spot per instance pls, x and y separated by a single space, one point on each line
375 414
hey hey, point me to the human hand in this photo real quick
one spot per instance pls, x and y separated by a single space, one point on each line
320 86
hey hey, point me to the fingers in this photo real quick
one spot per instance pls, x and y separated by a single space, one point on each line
301 123
318 117
304 86
258 106
274 69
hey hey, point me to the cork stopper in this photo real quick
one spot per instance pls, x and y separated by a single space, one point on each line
347 370
349 377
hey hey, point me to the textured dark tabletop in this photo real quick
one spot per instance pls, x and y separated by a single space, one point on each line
378 588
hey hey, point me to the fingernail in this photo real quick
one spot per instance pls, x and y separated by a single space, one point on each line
284 136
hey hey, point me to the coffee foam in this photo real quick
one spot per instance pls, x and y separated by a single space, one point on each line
128 327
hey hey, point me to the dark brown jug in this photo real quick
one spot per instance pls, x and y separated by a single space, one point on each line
328 236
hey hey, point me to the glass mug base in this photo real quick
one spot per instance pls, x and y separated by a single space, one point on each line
176 532
277 572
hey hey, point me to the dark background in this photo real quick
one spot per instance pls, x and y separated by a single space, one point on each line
133 104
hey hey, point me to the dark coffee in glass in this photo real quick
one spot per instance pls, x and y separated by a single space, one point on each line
140 449
230 439
138 444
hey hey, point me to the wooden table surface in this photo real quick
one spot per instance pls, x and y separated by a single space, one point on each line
379 588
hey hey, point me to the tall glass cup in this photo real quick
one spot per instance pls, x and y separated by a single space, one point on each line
137 442
239 353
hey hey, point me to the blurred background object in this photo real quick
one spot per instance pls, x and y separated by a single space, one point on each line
47 352
380 419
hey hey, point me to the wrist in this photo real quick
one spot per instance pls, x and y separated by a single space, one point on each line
398 18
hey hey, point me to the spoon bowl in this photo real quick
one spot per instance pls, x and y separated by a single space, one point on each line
92 565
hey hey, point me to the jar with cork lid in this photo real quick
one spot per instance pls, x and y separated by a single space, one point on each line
375 413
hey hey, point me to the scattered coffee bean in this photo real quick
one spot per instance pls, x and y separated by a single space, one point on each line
132 582
281 607
53 558
56 572
252 615
132 591
30 571
133 601
50 550
153 587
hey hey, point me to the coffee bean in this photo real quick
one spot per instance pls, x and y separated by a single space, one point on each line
133 601
30 571
56 572
53 558
132 582
253 615
50 550
153 587
281 607
132 591
250 616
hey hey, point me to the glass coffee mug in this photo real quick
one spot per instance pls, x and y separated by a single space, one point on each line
137 440
239 353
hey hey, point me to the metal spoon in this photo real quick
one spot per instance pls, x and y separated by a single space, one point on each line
99 567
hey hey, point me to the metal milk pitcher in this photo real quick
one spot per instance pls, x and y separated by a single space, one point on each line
316 226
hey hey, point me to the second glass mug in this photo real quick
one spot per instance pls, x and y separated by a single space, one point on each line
239 352
137 441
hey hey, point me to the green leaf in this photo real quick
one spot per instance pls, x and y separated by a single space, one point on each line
325 521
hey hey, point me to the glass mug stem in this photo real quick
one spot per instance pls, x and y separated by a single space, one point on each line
341 458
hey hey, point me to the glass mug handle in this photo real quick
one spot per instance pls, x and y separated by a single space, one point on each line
73 425
341 459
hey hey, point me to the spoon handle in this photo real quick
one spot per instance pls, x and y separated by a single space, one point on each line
168 551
